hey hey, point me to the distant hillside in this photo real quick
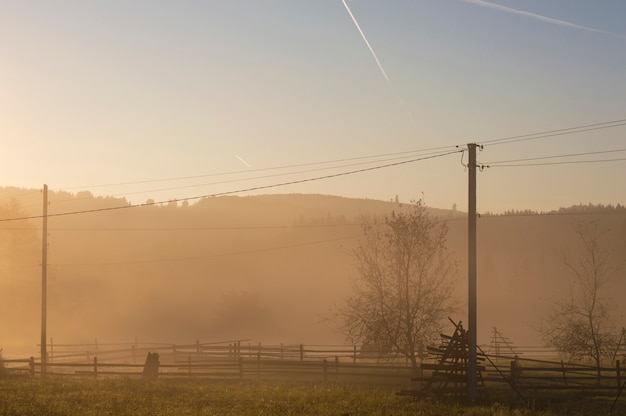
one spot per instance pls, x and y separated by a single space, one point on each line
266 268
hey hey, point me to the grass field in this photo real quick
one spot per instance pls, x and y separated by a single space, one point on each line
180 397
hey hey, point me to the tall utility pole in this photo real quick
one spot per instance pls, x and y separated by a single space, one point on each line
471 262
44 281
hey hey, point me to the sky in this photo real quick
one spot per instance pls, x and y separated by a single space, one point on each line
171 100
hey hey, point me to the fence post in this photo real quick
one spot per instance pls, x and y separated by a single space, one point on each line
282 351
563 369
618 375
513 377
95 367
258 363
31 364
198 347
301 352
336 368
354 355
51 355
325 370
134 352
240 367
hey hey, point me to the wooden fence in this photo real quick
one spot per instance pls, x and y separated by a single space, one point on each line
233 360
535 374
135 352
349 364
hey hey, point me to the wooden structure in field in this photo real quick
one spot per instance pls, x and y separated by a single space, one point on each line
449 373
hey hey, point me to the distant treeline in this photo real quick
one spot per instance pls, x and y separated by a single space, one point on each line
574 209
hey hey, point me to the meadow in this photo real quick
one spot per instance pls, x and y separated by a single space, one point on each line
125 396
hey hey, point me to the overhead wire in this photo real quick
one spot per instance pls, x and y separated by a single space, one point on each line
570 162
408 154
504 140
208 256
554 133
233 228
253 178
513 162
250 189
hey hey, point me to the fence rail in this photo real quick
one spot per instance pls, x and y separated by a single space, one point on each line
230 360
244 360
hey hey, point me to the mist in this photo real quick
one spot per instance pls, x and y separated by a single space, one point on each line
260 268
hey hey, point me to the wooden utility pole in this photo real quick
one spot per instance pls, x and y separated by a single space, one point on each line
471 244
44 282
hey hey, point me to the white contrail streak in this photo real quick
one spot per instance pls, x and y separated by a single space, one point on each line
543 18
380 66
244 162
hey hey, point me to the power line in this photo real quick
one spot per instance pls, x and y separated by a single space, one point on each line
248 179
234 228
504 140
557 132
409 153
557 156
571 162
510 162
256 188
233 253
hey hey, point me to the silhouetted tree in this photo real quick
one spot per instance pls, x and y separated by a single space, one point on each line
404 288
579 325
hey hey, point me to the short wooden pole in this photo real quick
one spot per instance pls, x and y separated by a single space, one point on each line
31 365
618 375
513 373
325 364
95 367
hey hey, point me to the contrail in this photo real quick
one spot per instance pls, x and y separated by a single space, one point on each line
543 18
244 162
380 66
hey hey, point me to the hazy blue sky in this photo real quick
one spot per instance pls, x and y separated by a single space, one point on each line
112 92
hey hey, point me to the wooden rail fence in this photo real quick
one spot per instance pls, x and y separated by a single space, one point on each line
244 360
234 360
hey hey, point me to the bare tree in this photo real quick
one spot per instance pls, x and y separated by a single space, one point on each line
579 324
404 288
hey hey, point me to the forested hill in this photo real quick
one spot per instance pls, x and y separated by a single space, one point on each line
233 209
266 268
